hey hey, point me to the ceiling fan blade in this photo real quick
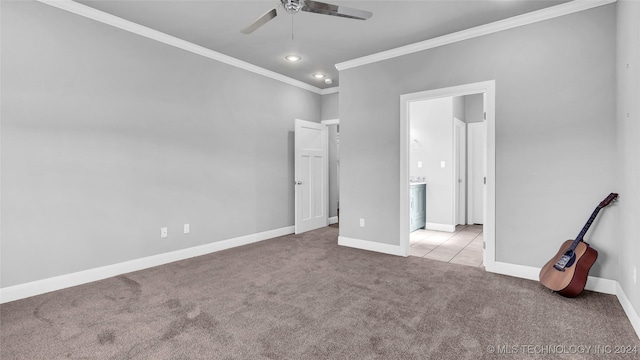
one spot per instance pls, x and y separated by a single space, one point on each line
260 21
336 10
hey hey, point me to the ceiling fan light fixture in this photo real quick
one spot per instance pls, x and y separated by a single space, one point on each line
293 58
319 76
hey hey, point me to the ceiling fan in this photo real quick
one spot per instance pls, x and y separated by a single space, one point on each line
295 6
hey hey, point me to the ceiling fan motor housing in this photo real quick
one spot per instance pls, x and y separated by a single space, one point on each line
293 6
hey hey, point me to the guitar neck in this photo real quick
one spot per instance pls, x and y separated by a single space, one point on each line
585 228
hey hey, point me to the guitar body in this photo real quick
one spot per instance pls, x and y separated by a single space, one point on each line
571 280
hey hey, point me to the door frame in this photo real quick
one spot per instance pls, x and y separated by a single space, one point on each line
471 174
459 172
335 219
489 89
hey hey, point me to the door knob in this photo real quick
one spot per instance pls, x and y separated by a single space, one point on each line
298 182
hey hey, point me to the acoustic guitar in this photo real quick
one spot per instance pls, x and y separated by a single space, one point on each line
566 273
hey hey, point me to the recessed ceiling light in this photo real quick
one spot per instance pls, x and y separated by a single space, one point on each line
293 58
319 76
328 81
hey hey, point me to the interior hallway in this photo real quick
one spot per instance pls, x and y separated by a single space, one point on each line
464 246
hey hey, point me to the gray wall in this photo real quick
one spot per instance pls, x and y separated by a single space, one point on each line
108 136
555 133
627 210
330 106
458 108
473 108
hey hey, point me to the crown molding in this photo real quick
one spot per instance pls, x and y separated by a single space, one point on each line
330 90
494 27
105 18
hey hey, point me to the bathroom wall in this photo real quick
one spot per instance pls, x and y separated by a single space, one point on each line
432 145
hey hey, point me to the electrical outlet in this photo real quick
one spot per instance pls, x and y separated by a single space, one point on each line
361 222
163 232
187 228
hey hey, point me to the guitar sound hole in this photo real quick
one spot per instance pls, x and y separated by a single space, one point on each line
572 258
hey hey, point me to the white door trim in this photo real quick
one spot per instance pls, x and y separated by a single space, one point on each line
459 172
489 89
474 179
330 122
334 219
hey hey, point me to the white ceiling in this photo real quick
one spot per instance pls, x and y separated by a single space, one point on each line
322 41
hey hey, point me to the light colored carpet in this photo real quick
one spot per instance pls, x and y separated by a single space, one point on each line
305 297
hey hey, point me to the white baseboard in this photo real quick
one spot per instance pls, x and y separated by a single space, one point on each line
38 287
440 227
605 286
596 284
371 246
632 314
519 271
333 220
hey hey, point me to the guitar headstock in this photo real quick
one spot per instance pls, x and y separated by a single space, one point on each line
609 199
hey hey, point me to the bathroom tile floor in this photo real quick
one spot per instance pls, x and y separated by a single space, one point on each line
464 246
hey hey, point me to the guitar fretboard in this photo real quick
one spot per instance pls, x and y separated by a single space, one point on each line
585 228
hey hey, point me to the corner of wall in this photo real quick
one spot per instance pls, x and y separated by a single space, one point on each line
628 142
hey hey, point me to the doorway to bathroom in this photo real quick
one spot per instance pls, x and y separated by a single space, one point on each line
447 153
333 128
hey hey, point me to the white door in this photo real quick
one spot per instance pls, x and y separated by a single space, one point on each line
477 171
460 173
311 176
